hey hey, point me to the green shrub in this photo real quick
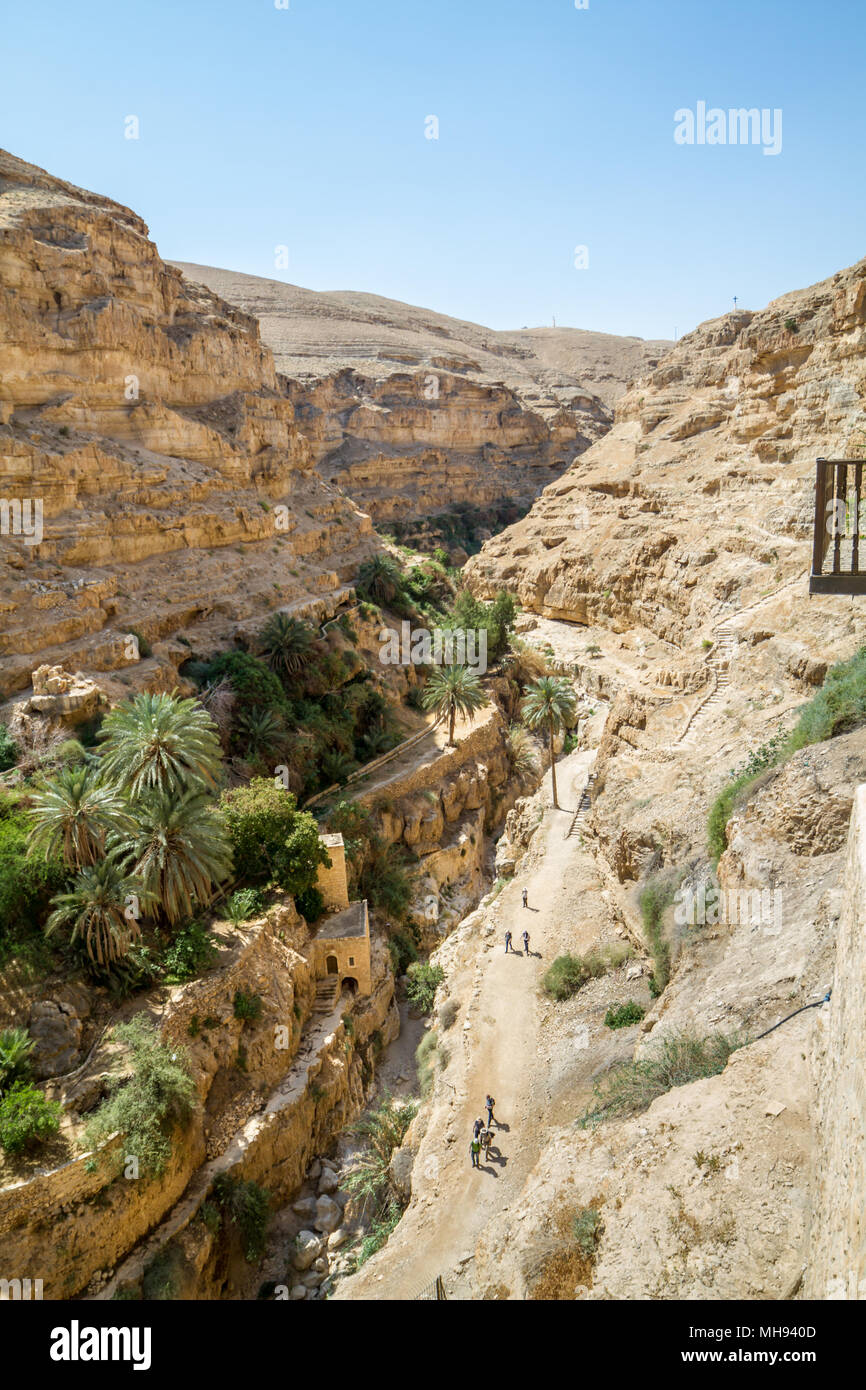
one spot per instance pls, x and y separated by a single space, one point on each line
655 898
623 1015
159 1095
425 1062
403 951
8 750
161 1279
27 881
16 1046
251 679
377 1235
247 1206
192 951
311 904
144 648
244 904
422 981
679 1058
384 1130
247 1006
570 973
586 1227
271 838
26 1118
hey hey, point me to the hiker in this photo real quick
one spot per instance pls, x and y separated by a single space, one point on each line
507 942
488 1105
526 942
477 1128
475 1150
526 897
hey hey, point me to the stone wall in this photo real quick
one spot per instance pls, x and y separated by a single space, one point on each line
837 1267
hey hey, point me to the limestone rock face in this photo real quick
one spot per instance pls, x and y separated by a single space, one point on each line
154 478
417 415
699 500
55 1030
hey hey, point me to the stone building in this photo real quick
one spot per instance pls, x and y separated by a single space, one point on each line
342 942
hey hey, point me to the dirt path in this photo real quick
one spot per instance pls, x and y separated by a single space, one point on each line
499 1035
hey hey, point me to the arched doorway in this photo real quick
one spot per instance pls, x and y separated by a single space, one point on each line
332 965
350 983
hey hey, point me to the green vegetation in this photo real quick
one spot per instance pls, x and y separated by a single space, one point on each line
403 951
655 898
94 910
837 708
244 904
422 981
377 869
586 1227
27 881
247 1006
191 951
679 1058
521 752
26 1118
570 973
453 690
245 1205
159 1094
624 1015
369 1179
550 704
159 743
16 1046
496 619
271 840
8 750
425 1062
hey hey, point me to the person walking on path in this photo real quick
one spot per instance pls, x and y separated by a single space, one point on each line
526 943
526 897
475 1150
488 1105
477 1128
507 942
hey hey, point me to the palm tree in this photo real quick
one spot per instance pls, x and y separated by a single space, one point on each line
179 850
453 690
159 743
75 814
263 732
96 909
550 703
286 643
379 579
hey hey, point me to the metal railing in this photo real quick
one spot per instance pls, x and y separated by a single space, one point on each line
836 532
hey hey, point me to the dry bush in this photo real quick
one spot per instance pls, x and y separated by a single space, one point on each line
563 1262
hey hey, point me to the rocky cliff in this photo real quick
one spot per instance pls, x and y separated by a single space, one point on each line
700 497
418 415
153 475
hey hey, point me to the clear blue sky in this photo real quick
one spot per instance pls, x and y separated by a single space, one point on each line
305 127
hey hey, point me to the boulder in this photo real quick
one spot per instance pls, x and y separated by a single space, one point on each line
328 1182
298 1292
338 1238
328 1215
56 1034
308 1247
305 1208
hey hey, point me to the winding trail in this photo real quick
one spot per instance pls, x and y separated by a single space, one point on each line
496 1046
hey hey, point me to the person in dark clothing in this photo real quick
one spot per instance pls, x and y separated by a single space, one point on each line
507 942
526 897
526 942
477 1128
488 1105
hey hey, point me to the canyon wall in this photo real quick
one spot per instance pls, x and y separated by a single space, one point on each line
837 1255
439 428
699 500
153 476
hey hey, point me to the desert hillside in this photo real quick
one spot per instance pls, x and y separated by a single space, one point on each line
144 415
440 428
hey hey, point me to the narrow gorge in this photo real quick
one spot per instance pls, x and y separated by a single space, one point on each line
256 875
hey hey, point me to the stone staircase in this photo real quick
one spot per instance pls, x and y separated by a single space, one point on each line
578 820
719 664
327 991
